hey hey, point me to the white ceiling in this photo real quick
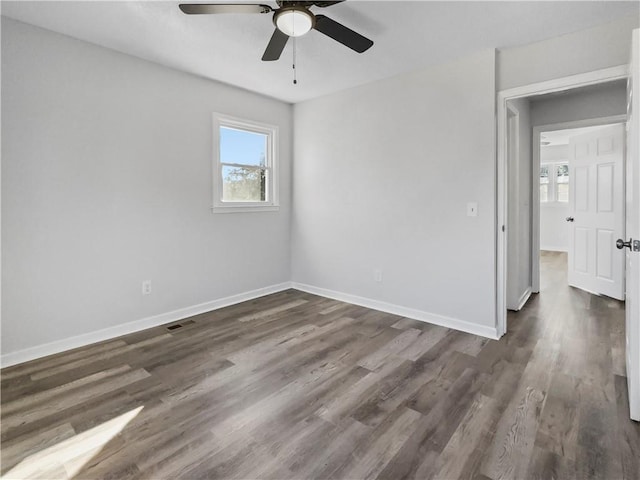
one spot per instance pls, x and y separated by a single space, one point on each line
407 36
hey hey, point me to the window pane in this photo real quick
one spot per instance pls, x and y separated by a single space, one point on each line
544 174
563 192
243 147
562 173
544 193
544 171
243 184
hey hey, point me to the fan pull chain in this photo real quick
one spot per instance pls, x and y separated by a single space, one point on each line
295 80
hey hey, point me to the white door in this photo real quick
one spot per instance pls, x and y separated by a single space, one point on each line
632 306
596 211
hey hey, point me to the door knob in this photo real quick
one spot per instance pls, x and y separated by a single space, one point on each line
569 219
621 244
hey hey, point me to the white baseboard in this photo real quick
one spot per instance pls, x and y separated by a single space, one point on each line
548 248
523 299
58 346
481 330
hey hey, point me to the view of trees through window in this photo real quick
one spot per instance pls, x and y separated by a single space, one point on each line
240 184
243 160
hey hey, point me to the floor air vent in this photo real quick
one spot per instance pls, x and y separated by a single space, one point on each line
173 327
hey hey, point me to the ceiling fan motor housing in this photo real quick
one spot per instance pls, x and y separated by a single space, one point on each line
294 20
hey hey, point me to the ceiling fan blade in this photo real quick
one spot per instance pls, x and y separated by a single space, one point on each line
275 47
208 8
326 4
342 34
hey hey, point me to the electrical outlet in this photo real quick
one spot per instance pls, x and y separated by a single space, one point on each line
377 275
146 287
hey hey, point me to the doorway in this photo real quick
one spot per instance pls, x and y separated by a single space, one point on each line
580 205
505 98
632 166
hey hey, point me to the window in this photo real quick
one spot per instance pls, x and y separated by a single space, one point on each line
562 183
554 183
245 176
544 183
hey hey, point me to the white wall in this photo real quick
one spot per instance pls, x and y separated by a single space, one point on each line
554 233
519 211
106 181
579 52
382 177
554 230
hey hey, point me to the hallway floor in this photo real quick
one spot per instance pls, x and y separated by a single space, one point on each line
584 429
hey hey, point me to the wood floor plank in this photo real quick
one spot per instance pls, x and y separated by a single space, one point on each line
282 456
546 465
558 432
514 439
102 356
28 368
340 406
597 436
376 359
388 440
348 434
423 343
46 395
629 432
478 420
23 447
271 311
42 410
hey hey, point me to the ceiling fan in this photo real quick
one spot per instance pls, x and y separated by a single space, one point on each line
292 19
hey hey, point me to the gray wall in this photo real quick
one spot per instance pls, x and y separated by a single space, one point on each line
592 102
384 185
106 182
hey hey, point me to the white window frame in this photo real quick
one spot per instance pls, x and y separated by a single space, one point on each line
271 162
552 189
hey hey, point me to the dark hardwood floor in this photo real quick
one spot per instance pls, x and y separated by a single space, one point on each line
295 386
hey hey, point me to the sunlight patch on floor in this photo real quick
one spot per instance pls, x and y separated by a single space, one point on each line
65 459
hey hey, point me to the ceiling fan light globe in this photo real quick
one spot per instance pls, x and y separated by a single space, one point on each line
294 22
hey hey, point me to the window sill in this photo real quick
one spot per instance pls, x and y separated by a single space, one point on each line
244 208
